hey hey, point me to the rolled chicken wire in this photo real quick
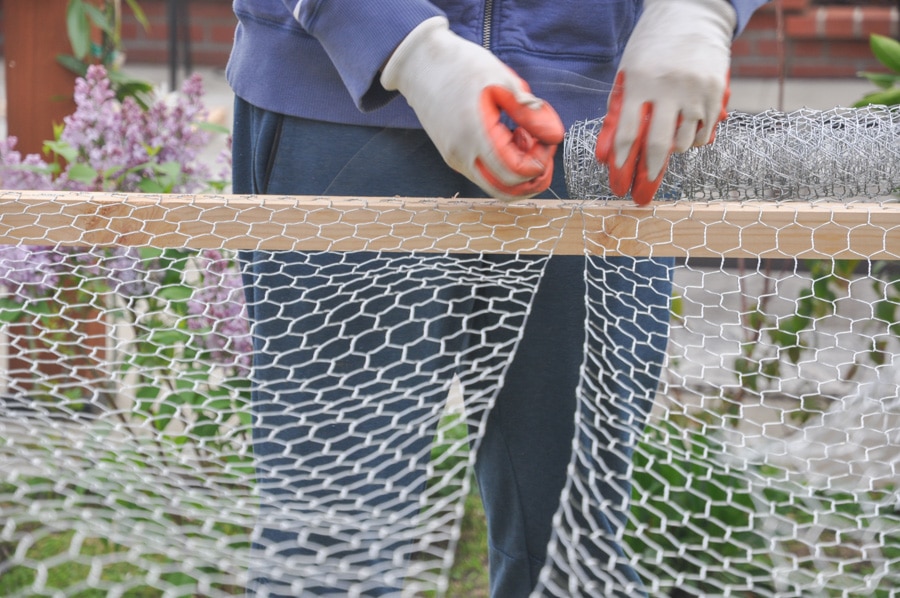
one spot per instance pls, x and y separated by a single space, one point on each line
836 154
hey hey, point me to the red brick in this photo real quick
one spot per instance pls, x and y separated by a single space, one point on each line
806 48
222 34
760 21
211 58
881 20
843 22
787 6
210 10
848 49
769 47
150 9
152 54
802 26
197 31
743 46
754 70
130 29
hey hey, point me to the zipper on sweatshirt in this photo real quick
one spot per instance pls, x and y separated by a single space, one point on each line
488 22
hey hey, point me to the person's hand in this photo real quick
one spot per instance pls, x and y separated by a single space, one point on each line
670 92
459 91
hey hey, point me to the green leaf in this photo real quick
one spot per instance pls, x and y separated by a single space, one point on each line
170 171
245 417
756 319
165 412
885 310
8 315
150 253
845 269
61 149
139 14
794 325
676 307
139 91
72 64
747 372
885 98
176 293
100 19
81 173
151 186
78 28
886 50
212 127
784 338
168 337
121 79
882 80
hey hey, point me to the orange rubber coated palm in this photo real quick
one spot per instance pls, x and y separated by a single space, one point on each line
632 175
528 151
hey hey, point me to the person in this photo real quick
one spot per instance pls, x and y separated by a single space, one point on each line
354 352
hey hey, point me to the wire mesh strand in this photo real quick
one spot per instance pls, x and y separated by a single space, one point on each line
838 154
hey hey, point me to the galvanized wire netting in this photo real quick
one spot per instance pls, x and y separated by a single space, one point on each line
837 154
761 449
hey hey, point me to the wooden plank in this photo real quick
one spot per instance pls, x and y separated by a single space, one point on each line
684 228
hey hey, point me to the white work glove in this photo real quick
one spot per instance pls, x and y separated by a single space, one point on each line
459 91
670 92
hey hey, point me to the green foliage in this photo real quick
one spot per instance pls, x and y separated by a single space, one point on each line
700 523
760 364
887 51
773 341
83 18
450 459
64 561
174 375
690 511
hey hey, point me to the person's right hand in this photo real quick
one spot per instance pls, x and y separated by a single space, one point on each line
459 91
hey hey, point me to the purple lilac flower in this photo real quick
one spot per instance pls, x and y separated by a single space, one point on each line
38 271
120 139
127 273
113 138
22 173
121 142
29 271
217 310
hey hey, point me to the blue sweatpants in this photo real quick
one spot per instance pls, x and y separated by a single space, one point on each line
355 352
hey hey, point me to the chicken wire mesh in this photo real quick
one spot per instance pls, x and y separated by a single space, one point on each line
761 454
836 154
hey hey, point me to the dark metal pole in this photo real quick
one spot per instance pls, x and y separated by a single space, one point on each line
172 21
185 20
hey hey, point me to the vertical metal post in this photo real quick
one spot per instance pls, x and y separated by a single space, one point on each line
172 26
179 27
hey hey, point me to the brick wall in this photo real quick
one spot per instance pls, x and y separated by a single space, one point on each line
820 39
211 25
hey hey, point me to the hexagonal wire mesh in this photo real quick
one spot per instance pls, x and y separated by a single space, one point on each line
735 435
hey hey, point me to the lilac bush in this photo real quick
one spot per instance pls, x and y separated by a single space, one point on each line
218 307
112 145
128 148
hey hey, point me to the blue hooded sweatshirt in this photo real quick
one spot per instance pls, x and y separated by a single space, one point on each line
320 59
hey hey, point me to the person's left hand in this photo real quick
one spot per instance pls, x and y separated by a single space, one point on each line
670 92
